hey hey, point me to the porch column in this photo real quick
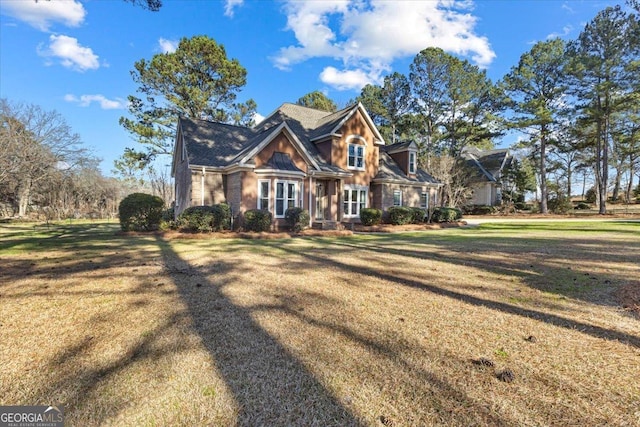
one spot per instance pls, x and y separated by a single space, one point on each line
340 196
311 189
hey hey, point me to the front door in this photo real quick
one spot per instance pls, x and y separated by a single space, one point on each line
321 200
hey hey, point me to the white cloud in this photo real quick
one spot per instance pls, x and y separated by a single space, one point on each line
43 14
566 30
367 36
257 117
347 79
230 5
168 46
70 53
104 102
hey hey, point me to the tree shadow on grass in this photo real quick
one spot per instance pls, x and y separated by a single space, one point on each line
556 320
271 386
535 263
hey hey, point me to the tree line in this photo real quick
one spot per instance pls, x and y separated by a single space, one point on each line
575 105
46 172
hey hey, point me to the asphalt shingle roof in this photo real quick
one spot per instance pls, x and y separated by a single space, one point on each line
486 165
219 145
388 169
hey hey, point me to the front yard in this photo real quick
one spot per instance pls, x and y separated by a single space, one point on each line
388 330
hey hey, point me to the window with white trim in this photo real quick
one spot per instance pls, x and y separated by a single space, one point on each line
354 200
424 200
286 197
397 198
264 194
412 162
355 159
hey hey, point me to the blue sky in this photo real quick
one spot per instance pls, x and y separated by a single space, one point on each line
75 56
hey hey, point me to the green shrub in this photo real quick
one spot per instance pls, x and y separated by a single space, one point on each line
140 212
483 210
417 215
297 219
443 214
370 216
168 221
521 206
221 217
590 196
205 219
196 219
582 205
400 215
559 205
257 220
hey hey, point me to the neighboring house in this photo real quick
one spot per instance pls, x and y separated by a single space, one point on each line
331 164
486 174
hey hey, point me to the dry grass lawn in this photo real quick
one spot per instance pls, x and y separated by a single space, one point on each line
368 330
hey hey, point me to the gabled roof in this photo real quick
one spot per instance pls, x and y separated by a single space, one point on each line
214 144
487 165
281 162
223 146
400 146
388 170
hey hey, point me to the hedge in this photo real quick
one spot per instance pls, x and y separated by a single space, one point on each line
418 215
400 215
257 220
297 219
370 216
204 219
140 212
443 214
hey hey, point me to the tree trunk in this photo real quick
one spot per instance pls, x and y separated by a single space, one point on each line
23 193
569 182
617 185
543 171
627 195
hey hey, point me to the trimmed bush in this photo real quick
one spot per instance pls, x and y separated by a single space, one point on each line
590 196
521 206
417 215
400 215
196 219
443 214
205 219
221 217
297 219
582 205
168 221
483 210
257 220
140 212
370 216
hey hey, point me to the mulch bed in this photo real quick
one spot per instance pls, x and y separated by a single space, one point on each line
388 228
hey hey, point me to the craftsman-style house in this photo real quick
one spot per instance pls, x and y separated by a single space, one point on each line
331 164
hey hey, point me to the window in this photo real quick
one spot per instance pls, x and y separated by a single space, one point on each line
424 200
264 193
412 162
397 198
286 197
356 157
354 200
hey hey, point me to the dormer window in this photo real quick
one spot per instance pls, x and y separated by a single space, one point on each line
412 162
355 158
